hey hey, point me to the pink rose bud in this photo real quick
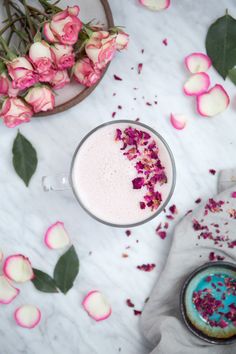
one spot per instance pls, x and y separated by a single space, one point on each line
85 72
21 73
60 79
41 98
122 40
15 111
42 58
64 26
64 56
101 48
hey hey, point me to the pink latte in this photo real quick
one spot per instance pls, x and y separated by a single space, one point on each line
122 173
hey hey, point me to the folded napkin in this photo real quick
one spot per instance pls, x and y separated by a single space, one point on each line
161 321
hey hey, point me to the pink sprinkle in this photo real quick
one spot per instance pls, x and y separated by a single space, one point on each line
113 114
233 195
137 313
162 234
165 42
117 78
129 303
140 68
128 233
212 171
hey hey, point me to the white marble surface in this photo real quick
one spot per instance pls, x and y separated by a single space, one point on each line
26 213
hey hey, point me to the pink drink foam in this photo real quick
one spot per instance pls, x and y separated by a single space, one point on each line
102 177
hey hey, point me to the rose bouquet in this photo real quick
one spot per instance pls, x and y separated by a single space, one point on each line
53 47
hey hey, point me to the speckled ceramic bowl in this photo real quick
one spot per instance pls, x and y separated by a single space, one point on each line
215 282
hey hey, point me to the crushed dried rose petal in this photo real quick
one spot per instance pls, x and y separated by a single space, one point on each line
146 267
129 303
212 171
140 67
162 234
128 232
233 194
137 313
113 114
118 78
197 201
173 209
165 42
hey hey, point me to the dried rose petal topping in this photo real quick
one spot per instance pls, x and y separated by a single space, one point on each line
138 183
128 233
138 146
173 209
197 201
233 195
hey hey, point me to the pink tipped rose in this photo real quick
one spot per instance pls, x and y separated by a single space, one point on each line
41 56
122 40
86 73
101 48
41 98
64 56
15 111
64 26
21 73
60 79
4 84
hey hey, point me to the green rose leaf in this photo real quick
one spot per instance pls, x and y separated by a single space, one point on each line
221 44
66 270
43 282
24 158
232 75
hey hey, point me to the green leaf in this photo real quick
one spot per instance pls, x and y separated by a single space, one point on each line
66 270
43 282
232 75
24 158
221 44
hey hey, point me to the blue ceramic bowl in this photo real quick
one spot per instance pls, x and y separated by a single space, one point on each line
207 299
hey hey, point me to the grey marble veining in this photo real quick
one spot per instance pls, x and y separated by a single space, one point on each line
26 213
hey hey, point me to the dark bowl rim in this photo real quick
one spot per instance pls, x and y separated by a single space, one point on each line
189 325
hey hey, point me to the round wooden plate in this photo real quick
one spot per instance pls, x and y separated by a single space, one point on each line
74 93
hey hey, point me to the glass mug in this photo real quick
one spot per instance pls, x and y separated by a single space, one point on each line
104 169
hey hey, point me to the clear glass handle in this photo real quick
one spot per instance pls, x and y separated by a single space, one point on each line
55 183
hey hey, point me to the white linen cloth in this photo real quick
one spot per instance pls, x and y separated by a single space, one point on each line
161 321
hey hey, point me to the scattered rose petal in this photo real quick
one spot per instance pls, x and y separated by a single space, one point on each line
128 232
27 316
155 5
173 209
197 62
178 121
113 114
197 84
213 102
97 306
233 195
